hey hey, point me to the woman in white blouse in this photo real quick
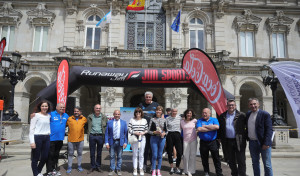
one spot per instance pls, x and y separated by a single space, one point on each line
138 126
39 137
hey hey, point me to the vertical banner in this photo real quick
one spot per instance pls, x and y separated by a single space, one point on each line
203 73
62 82
2 47
288 74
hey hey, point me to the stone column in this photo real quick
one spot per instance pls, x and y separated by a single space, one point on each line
22 105
213 111
267 104
70 26
238 101
176 98
111 99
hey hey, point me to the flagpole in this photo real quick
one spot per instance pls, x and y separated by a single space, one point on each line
180 33
109 31
145 22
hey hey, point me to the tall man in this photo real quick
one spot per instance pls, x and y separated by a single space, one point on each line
58 122
174 140
148 108
96 131
259 126
75 138
232 133
115 140
207 127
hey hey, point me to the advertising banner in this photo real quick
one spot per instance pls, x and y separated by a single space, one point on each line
288 74
203 73
2 47
62 82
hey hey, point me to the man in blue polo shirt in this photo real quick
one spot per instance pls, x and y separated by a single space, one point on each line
58 122
207 131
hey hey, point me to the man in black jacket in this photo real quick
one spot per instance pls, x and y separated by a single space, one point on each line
232 132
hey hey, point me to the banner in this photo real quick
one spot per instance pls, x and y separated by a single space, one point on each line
203 73
2 47
288 74
62 82
136 5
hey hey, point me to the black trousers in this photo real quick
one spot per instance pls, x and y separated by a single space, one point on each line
174 139
235 157
55 147
212 146
148 151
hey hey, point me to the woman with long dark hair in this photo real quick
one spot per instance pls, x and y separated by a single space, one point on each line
39 137
188 126
158 131
138 126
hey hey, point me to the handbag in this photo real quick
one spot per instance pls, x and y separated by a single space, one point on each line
132 139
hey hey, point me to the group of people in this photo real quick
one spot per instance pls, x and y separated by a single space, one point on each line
154 132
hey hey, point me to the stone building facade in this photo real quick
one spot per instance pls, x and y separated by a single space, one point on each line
239 35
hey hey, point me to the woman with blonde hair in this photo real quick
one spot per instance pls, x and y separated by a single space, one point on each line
138 126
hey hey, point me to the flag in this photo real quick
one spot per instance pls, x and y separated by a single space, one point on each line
176 23
62 82
137 5
288 74
2 47
104 20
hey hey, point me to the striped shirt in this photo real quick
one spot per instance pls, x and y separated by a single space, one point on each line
173 124
137 126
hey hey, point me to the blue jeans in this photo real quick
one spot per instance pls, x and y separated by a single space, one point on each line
255 151
42 143
113 150
96 140
157 146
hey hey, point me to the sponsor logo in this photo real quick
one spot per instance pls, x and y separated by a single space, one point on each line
114 76
165 76
201 75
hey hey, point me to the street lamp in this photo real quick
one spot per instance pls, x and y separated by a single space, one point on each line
13 69
270 79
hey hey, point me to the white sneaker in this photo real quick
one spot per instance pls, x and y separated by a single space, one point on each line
135 172
142 172
40 174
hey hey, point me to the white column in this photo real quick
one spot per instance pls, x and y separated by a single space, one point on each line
267 104
238 102
111 99
21 105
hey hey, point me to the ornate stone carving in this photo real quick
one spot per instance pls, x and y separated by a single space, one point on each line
110 94
8 15
279 23
220 5
79 25
209 29
176 97
41 16
246 22
233 80
71 6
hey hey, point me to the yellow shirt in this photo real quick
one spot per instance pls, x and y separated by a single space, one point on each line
76 128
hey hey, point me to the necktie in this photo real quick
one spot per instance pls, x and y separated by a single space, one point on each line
116 129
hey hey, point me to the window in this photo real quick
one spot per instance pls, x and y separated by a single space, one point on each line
196 33
278 45
9 33
40 38
246 44
155 28
93 33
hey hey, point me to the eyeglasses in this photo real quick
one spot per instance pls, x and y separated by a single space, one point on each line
138 112
231 105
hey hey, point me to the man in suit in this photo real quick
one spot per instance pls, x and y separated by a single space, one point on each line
232 133
259 128
115 140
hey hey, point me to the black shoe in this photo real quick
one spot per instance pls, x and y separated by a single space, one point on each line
92 170
99 169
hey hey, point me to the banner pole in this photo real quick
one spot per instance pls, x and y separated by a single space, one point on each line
1 109
180 33
145 22
109 31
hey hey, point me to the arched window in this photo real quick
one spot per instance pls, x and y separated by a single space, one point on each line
93 33
196 33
